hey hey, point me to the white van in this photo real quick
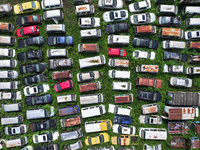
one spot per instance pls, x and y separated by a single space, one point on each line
7 40
53 14
92 61
10 95
82 10
93 111
192 70
122 86
90 33
153 133
191 22
91 99
12 107
11 85
55 28
16 142
119 110
117 74
66 98
11 120
11 74
7 52
150 108
122 63
118 39
51 53
173 45
51 4
167 9
8 63
191 10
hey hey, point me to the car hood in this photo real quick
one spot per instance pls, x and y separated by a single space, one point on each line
131 8
106 16
97 22
152 17
119 4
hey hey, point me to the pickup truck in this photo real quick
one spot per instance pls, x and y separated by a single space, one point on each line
151 82
147 68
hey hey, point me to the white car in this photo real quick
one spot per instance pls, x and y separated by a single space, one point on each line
192 35
110 4
19 129
118 15
89 22
143 18
119 110
93 111
192 70
11 74
173 69
117 128
32 90
143 55
140 6
180 82
27 148
45 137
153 119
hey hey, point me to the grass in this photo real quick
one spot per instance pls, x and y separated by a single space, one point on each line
73 29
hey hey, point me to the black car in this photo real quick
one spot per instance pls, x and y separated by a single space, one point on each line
43 125
33 68
44 99
53 146
60 41
29 20
169 21
34 79
145 43
149 96
30 55
117 28
32 41
177 56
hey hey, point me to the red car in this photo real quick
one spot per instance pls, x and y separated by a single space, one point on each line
116 52
28 31
63 85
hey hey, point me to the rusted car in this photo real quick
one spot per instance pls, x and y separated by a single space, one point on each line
142 30
194 143
69 110
118 63
89 48
89 86
179 142
151 82
193 45
29 20
5 9
124 140
147 68
171 33
6 27
187 2
69 122
184 98
61 74
180 113
197 127
179 127
150 108
125 98
194 58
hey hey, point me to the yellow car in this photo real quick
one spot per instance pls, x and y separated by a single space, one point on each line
26 7
99 139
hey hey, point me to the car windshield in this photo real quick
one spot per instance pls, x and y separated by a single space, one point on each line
121 53
89 141
58 86
114 3
27 91
148 18
123 13
138 42
120 129
111 15
33 4
54 40
136 6
135 18
189 34
67 40
49 137
40 89
150 44
20 7
101 138
35 18
21 31
108 125
92 21
136 54
118 140
197 33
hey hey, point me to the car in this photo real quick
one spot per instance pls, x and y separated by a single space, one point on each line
55 4
33 68
118 15
145 18
52 146
192 35
38 100
110 4
32 41
28 31
74 134
179 45
125 120
69 110
14 130
192 70
124 140
60 41
93 111
26 7
149 82
137 54
60 63
147 68
180 82
149 96
34 79
60 86
27 148
153 119
32 90
116 52
177 56
119 110
36 54
99 139
169 21
87 76
29 20
140 6
145 43
117 128
194 58
6 9
45 137
43 125
173 69
89 22
117 28
9 74
74 146
72 121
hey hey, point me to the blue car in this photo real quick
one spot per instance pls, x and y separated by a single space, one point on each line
60 41
45 99
122 120
70 110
